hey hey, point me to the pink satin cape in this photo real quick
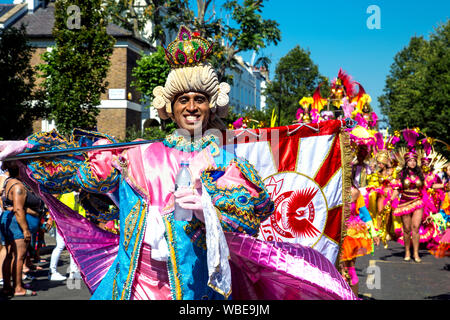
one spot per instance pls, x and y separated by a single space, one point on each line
260 271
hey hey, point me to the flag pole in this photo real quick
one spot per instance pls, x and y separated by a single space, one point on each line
60 152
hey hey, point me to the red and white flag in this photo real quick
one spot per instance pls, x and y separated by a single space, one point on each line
304 169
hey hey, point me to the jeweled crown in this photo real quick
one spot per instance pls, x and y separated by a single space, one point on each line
187 49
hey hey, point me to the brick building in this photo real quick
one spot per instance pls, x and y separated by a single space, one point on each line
120 106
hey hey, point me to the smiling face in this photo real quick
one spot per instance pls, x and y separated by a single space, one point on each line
411 163
191 111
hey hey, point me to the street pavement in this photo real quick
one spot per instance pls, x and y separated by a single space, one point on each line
55 290
382 276
386 276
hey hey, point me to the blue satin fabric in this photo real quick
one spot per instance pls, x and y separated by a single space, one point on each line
191 265
364 214
118 281
187 259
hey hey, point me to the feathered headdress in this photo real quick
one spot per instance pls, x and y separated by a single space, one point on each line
318 102
427 145
382 154
361 138
348 108
345 80
411 136
433 159
362 98
399 156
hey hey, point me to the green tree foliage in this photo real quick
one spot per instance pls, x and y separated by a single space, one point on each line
245 31
75 70
248 32
151 71
417 89
162 14
19 104
296 76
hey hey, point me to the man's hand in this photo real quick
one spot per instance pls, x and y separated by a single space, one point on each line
190 199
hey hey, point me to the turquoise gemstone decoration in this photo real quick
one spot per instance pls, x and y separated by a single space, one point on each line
179 142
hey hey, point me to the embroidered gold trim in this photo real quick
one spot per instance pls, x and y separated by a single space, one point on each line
178 295
346 154
124 165
134 254
130 224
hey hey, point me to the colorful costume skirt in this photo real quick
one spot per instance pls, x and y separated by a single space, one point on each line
427 234
443 249
410 202
260 270
263 270
357 242
407 206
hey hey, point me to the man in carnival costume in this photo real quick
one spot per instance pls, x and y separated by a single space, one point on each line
215 255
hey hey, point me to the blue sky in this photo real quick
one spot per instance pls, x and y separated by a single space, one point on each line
336 34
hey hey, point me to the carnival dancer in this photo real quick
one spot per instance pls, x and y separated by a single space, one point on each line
410 187
359 240
365 178
442 249
429 161
156 256
360 168
433 185
22 210
432 199
445 205
386 175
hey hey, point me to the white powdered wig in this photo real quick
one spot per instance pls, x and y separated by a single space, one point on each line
199 78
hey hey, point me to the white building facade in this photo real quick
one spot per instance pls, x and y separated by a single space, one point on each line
247 88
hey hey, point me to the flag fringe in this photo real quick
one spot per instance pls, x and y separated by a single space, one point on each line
346 159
